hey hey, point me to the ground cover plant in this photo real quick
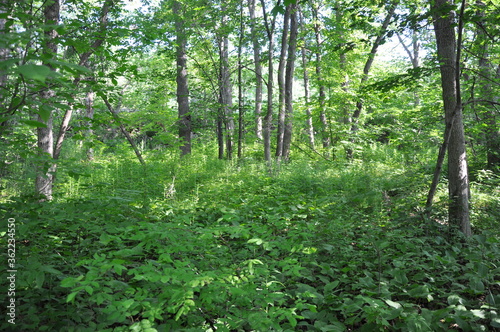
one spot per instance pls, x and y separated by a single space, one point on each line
202 244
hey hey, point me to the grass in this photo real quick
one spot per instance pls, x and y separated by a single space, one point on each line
200 244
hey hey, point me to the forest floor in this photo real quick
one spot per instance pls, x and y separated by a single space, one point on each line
202 244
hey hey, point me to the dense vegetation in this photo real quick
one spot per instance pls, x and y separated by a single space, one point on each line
208 165
203 244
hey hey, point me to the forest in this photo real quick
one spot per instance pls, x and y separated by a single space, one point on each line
256 165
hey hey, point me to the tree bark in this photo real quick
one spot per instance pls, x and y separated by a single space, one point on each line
290 66
184 116
241 109
319 77
281 84
488 115
45 136
309 120
258 71
225 97
4 52
89 114
268 118
4 55
346 111
449 57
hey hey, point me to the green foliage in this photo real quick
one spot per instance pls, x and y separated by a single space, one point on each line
315 246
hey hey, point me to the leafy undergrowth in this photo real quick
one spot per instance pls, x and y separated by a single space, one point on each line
305 248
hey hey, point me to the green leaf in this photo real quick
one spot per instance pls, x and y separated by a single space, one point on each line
477 285
455 300
33 123
44 112
105 238
34 72
278 9
50 269
393 304
400 277
71 297
89 289
40 279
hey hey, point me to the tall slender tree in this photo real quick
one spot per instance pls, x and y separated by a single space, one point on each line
258 70
289 78
281 83
305 63
449 57
316 6
488 72
184 116
45 134
268 118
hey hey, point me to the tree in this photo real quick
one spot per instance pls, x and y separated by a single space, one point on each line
258 70
449 57
305 62
281 84
289 78
266 130
487 73
319 74
225 118
45 176
182 81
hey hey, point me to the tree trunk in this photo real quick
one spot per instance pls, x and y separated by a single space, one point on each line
4 55
346 111
4 52
281 84
488 114
45 136
225 95
268 118
319 77
290 66
89 114
240 87
184 116
258 71
458 178
309 121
